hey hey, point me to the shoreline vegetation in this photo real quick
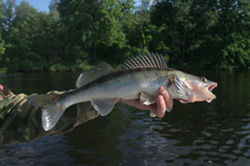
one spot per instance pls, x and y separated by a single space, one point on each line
76 35
44 67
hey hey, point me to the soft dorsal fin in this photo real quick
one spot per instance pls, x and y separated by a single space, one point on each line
100 70
149 61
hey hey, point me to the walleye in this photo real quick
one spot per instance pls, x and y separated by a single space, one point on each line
139 78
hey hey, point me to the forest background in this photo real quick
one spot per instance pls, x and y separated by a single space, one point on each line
77 34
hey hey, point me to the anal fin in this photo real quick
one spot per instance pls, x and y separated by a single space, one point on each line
103 107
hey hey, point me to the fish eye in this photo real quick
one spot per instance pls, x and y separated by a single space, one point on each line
203 79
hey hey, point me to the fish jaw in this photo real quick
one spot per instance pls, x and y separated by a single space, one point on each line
202 92
209 90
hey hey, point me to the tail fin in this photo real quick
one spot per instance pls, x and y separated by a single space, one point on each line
52 110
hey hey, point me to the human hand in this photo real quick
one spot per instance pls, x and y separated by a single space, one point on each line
163 102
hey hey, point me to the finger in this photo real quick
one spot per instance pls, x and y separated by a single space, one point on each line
161 107
167 98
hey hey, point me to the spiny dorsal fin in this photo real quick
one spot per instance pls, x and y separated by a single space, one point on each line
100 70
149 61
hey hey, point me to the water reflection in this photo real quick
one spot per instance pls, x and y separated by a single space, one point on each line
193 134
41 152
96 142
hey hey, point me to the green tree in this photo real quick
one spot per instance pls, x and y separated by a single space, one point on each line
232 33
20 33
204 34
31 38
9 14
2 44
137 40
177 25
90 24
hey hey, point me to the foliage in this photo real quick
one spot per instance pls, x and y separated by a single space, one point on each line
90 24
2 44
76 34
205 34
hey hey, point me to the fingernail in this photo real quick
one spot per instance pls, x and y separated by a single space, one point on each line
162 90
169 109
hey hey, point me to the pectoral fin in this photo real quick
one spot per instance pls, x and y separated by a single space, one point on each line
147 99
103 107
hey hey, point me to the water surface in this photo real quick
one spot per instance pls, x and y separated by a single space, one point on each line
192 134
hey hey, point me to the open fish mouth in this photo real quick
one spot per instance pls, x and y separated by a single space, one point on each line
210 89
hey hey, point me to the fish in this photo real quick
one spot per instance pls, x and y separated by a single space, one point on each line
139 78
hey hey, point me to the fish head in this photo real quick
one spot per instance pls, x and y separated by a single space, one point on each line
192 89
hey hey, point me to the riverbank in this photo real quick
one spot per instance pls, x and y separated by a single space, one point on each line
42 66
78 65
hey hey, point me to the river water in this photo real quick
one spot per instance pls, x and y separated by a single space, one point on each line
192 134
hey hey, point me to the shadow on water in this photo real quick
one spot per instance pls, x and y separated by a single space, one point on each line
192 134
